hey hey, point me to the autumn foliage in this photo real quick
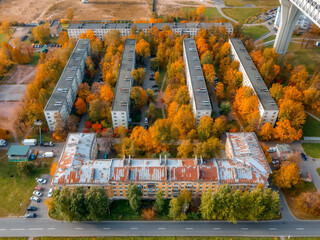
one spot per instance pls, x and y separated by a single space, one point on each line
53 168
287 176
309 202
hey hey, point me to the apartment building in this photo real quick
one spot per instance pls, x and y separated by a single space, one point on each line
120 111
55 28
101 29
245 168
199 97
267 107
65 92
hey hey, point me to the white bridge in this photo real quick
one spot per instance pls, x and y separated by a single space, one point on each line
290 11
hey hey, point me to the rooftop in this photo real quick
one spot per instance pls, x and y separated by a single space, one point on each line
255 78
124 81
198 83
18 150
67 77
284 148
55 23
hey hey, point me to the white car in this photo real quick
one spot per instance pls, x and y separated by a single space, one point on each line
37 193
41 180
36 199
50 192
272 150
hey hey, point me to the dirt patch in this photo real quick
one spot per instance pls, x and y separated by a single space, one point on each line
7 112
170 6
23 74
33 10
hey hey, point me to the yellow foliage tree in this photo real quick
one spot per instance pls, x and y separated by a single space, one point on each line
285 132
266 131
287 176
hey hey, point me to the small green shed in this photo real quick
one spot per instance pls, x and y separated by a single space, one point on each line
19 153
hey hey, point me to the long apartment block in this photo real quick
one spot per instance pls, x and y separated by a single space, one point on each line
268 108
120 111
65 92
245 167
101 29
196 83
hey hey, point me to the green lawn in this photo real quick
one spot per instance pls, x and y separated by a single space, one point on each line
158 113
309 57
318 171
35 58
258 3
3 38
16 190
312 149
156 238
269 38
241 14
255 31
210 13
311 128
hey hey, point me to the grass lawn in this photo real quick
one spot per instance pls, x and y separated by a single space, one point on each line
309 57
158 113
35 58
312 149
312 127
318 171
3 38
269 38
210 13
241 14
162 73
16 190
65 26
159 238
255 31
259 3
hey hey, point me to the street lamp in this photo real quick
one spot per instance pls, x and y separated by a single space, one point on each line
38 122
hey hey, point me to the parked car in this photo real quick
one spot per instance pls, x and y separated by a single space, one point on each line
32 208
146 120
38 188
3 143
304 157
272 150
33 154
35 199
41 180
50 192
47 144
48 155
37 193
30 215
155 86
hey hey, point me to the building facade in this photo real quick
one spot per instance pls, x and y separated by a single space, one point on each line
196 83
303 21
120 111
55 28
245 168
101 29
267 107
64 94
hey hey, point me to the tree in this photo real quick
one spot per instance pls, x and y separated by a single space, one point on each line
209 149
207 58
41 33
299 77
138 76
209 73
232 79
83 91
285 132
180 205
159 202
185 150
220 126
78 205
184 120
225 108
133 196
164 132
220 91
5 27
309 202
287 176
63 39
292 111
106 93
53 169
25 168
69 14
62 202
157 77
205 128
148 214
97 202
138 97
90 67
277 91
267 131
182 96
94 110
151 113
3 134
80 106
143 49
97 127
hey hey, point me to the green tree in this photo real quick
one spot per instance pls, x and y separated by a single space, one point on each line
97 203
138 97
151 113
225 108
41 33
94 110
25 168
78 206
209 149
62 202
180 205
205 128
207 58
159 202
134 197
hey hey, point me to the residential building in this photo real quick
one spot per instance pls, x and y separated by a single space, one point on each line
199 97
303 21
267 107
101 29
245 168
19 153
65 92
120 111
55 28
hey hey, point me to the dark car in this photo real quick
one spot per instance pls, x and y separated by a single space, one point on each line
30 215
47 144
31 208
155 86
304 157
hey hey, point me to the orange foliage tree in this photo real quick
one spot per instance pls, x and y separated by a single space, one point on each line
53 169
266 132
285 132
80 106
309 202
287 176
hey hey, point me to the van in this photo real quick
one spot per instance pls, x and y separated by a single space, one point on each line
29 142
3 143
48 155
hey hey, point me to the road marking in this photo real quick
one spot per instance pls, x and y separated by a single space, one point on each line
17 229
35 229
272 229
106 228
217 228
189 228
50 228
134 228
162 228
3 229
300 229
244 228
78 228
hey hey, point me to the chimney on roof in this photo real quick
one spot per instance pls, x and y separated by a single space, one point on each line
160 159
129 161
201 160
195 160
